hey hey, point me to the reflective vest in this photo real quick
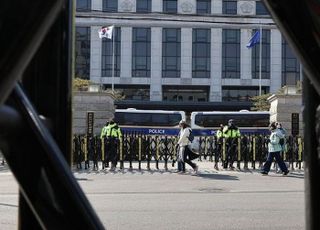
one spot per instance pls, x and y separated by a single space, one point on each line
103 132
113 130
219 134
231 132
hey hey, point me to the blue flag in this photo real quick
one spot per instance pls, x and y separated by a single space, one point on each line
254 39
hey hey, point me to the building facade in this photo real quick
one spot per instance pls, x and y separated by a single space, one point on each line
182 52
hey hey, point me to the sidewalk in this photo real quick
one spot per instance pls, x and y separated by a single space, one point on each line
205 167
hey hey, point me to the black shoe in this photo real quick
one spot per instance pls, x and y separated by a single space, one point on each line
285 173
264 173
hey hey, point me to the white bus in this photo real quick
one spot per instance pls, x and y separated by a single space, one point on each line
149 122
207 123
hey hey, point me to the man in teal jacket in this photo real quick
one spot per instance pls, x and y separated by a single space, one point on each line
274 149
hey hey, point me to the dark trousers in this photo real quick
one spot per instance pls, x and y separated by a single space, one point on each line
218 153
231 151
112 151
181 166
186 159
271 155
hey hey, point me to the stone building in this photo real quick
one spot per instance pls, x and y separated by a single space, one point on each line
286 108
101 104
182 54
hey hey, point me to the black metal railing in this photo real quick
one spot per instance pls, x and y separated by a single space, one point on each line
250 151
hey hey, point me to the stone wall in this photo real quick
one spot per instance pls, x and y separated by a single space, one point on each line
282 107
101 103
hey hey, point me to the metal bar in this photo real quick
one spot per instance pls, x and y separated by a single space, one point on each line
53 195
312 142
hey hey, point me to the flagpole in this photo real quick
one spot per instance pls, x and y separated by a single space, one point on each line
260 59
112 79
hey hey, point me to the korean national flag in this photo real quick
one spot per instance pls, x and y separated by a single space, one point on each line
106 32
254 39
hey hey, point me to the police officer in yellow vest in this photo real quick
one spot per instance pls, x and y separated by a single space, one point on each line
103 137
113 134
231 133
219 143
104 131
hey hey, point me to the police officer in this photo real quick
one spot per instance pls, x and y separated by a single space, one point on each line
219 144
231 133
103 133
113 134
103 137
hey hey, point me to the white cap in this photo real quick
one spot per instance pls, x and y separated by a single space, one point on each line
182 122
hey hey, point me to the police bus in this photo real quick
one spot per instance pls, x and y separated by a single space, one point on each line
149 122
249 122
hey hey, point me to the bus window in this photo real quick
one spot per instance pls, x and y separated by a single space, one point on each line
246 121
149 121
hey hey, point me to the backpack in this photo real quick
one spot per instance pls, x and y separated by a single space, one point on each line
191 136
281 141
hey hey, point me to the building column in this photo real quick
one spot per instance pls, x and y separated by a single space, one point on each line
126 52
186 53
96 5
156 64
246 54
276 60
216 6
156 6
95 55
216 65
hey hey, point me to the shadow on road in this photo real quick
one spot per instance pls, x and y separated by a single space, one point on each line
215 176
291 175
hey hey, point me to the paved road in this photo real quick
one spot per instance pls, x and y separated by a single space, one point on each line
141 200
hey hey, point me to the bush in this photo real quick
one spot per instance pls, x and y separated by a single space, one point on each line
81 84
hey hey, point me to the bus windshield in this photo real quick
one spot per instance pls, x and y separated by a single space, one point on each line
147 119
206 123
241 120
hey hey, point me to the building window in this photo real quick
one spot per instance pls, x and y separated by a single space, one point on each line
132 92
110 5
290 65
203 6
171 52
106 60
82 49
261 9
141 52
143 6
170 6
229 7
201 53
265 57
231 53
83 5
186 94
238 93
